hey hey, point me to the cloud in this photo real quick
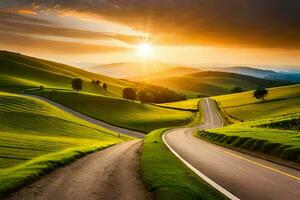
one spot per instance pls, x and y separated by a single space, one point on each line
27 12
54 47
37 29
26 32
248 23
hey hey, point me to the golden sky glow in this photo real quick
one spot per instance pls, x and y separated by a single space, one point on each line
205 32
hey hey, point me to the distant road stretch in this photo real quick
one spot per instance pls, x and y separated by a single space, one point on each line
90 119
237 175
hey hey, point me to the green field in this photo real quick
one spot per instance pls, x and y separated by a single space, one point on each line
167 177
19 72
279 101
36 137
270 127
191 104
212 83
120 112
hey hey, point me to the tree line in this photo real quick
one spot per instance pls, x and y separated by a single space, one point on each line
77 84
152 94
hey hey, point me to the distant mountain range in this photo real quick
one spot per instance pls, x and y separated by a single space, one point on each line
151 70
126 70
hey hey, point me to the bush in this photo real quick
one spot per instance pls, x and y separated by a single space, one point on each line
260 93
77 84
129 93
236 90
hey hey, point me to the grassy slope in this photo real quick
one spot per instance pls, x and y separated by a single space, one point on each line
191 104
168 177
120 112
19 72
36 137
212 83
263 128
279 101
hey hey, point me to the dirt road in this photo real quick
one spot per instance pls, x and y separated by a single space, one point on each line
109 174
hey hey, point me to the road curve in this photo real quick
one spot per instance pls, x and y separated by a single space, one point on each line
241 175
90 119
107 174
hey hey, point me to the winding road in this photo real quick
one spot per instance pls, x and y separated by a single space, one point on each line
236 175
109 174
90 119
113 172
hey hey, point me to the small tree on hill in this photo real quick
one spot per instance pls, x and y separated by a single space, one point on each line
129 93
260 93
97 82
104 86
77 84
236 90
145 96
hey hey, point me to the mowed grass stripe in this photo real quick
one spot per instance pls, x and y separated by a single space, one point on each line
120 112
31 127
36 137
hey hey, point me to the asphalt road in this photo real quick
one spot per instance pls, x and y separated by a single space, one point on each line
90 119
239 175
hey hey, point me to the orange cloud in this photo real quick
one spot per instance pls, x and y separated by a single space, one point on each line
26 12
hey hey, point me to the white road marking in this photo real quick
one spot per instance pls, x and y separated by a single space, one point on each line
201 175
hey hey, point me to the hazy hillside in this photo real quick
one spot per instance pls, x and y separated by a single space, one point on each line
213 83
126 70
19 72
292 76
165 73
260 73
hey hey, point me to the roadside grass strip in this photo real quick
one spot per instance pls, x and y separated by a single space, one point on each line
16 177
278 143
167 177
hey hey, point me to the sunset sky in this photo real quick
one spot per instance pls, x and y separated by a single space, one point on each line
194 32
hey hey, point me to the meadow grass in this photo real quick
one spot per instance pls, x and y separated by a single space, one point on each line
283 144
36 137
120 112
268 128
20 72
279 101
167 177
191 104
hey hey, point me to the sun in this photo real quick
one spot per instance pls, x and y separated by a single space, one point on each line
144 50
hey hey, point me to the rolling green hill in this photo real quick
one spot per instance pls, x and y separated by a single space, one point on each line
19 72
31 128
120 112
191 104
174 71
243 106
212 83
128 70
36 137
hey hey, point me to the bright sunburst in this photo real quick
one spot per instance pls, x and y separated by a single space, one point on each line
144 50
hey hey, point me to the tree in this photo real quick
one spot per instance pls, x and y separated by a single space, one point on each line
97 82
77 84
145 96
104 86
260 93
236 90
129 93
